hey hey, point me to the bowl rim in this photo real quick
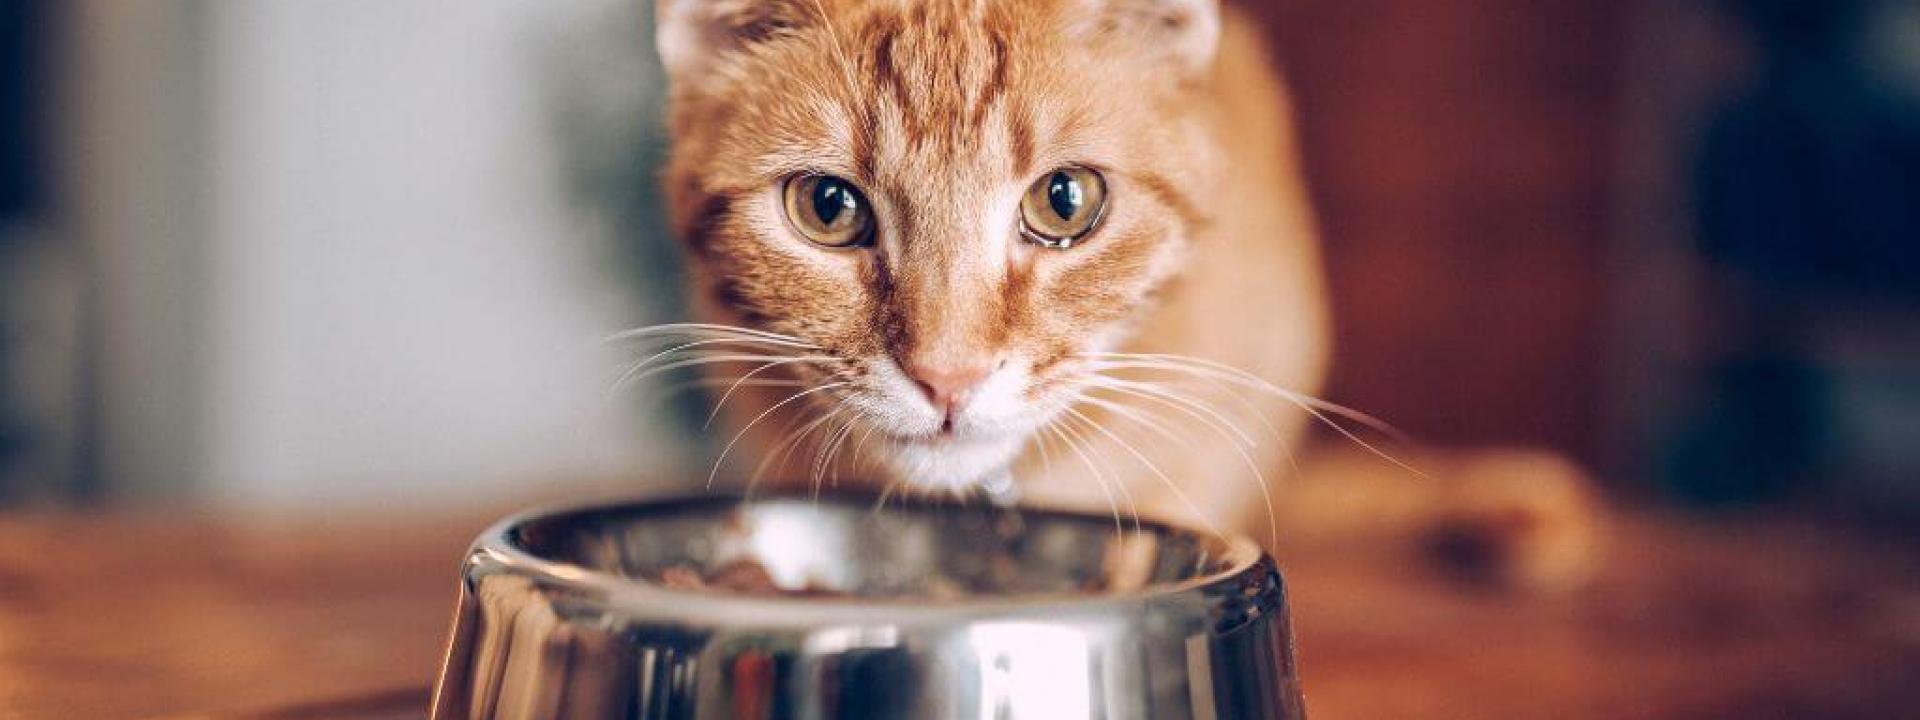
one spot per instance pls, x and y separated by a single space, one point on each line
1247 571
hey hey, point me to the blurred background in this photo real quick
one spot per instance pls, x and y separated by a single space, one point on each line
311 255
279 256
285 253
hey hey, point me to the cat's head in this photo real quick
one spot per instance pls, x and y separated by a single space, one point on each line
952 199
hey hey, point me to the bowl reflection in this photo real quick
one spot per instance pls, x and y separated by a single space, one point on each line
787 607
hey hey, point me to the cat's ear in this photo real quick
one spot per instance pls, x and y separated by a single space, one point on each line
690 34
1188 31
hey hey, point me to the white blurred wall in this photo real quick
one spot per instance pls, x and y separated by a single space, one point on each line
388 296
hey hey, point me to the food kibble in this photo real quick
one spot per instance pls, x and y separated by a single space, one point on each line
744 576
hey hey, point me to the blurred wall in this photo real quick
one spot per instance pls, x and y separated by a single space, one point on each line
1461 155
130 152
37 338
360 251
337 258
1769 346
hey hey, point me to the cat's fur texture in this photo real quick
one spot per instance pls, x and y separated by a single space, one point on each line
943 112
1204 268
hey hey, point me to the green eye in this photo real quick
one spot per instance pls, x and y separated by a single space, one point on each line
828 211
1063 206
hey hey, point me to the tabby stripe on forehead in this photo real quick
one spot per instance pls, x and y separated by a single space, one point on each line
1020 136
902 215
886 73
996 83
866 138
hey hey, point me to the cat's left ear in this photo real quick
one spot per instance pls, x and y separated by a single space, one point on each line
691 34
1188 31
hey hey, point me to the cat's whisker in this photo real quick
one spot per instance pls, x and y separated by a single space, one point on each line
1198 514
1219 424
1259 478
815 471
1081 445
680 387
1040 443
790 438
784 436
817 440
683 347
1156 413
753 345
1141 416
1315 407
669 391
839 51
1357 440
861 460
773 350
824 450
1192 407
632 372
735 345
823 457
706 330
714 382
722 402
608 400
846 434
1229 373
715 472
709 359
1113 506
1213 385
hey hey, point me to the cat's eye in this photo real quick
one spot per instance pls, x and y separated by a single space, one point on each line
828 211
1063 206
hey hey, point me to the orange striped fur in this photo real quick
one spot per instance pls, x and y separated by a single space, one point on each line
942 113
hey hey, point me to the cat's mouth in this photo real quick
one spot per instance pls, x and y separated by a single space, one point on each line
921 442
944 437
949 459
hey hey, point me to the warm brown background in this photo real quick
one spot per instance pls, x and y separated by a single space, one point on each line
1460 155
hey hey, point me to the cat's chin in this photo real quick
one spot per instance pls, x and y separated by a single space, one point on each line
949 463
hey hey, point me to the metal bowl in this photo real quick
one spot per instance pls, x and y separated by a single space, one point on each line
831 608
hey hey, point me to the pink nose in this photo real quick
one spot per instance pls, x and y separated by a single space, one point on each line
949 386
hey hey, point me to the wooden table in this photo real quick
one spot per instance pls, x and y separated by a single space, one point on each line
108 616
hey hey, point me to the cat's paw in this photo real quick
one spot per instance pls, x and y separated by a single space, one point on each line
1519 519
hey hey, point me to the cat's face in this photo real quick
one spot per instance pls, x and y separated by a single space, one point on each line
953 200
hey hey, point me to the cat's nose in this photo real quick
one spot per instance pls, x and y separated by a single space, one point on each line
949 386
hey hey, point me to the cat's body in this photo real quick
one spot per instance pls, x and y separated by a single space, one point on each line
938 115
941 244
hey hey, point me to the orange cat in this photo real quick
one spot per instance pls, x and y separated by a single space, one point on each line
1054 245
981 223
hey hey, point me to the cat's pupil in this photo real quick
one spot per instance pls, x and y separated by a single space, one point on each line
831 200
1064 195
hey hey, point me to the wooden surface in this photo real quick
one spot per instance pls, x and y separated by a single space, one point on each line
143 616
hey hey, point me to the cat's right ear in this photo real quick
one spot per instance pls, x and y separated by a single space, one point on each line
1186 31
692 34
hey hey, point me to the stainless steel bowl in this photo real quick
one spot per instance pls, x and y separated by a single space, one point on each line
924 611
